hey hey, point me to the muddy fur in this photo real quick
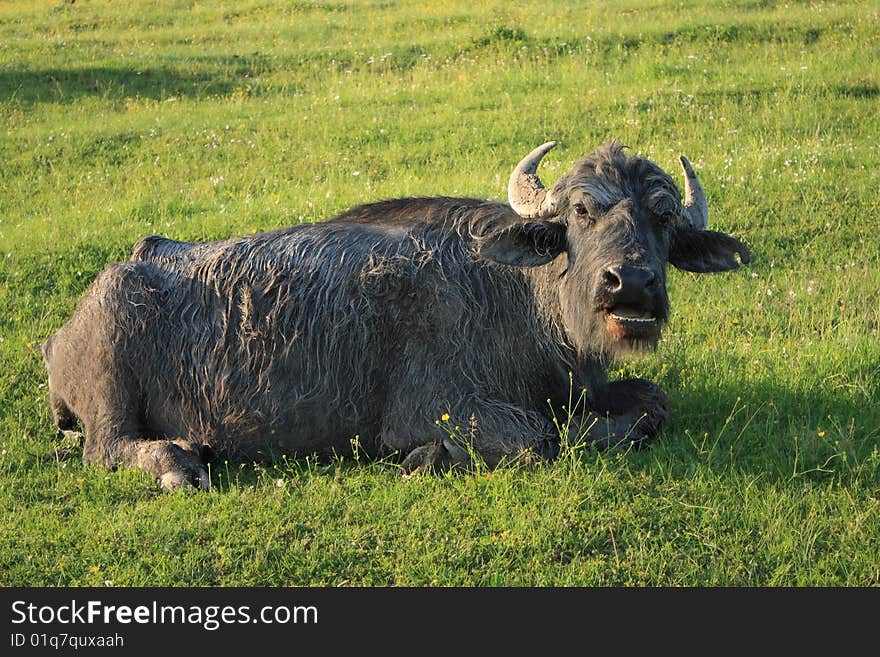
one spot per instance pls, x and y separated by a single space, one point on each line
373 325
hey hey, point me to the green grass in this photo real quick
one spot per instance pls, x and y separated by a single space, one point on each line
207 120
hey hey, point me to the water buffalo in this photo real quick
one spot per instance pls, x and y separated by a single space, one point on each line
382 320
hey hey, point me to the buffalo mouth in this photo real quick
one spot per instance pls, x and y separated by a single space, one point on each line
624 321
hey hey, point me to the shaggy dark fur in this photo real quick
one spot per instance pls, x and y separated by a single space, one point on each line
377 322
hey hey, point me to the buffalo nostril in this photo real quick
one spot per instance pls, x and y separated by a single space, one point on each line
625 278
611 279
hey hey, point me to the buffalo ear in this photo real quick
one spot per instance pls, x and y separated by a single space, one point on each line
703 251
524 244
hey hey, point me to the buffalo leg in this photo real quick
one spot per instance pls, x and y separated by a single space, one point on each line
112 436
173 463
496 432
627 412
114 439
94 383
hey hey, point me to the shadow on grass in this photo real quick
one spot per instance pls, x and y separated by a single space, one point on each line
766 429
67 85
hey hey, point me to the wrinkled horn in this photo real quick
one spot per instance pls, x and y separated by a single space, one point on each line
695 207
525 192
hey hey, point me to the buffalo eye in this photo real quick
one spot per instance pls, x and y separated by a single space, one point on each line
585 212
664 219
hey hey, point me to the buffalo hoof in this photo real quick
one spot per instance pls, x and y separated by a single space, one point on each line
435 457
628 430
175 464
184 479
632 432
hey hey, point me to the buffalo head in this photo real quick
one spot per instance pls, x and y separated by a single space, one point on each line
616 221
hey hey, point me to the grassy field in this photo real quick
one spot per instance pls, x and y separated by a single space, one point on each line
202 120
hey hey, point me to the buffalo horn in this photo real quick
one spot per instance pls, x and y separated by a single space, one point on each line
695 207
525 192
